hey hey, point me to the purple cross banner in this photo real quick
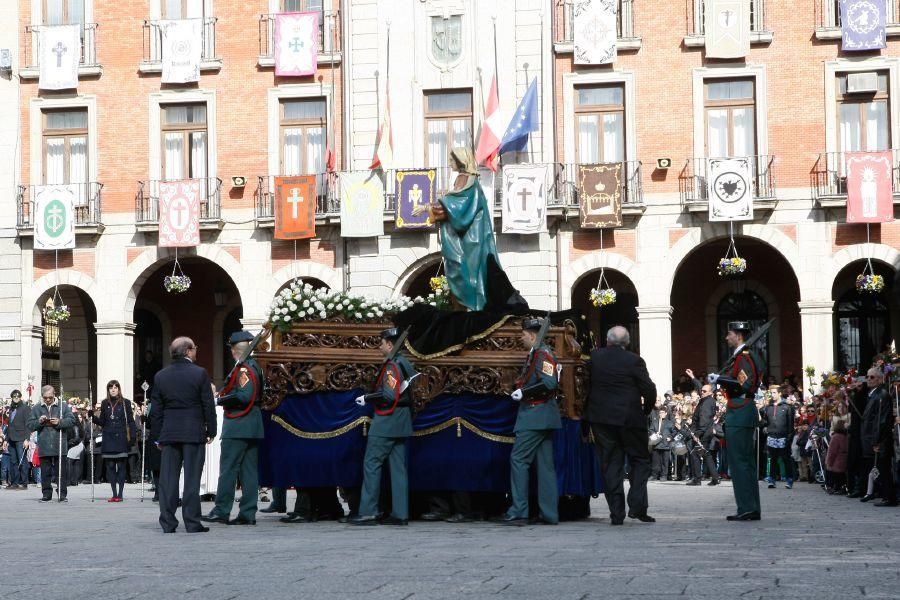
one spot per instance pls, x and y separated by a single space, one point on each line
863 25
415 195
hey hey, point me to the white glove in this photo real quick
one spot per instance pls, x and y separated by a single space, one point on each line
361 400
712 378
516 395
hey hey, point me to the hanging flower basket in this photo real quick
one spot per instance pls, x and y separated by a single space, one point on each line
439 285
603 294
177 282
731 267
58 313
869 283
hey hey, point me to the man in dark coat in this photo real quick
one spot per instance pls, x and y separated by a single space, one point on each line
17 435
702 425
52 419
620 399
877 437
184 417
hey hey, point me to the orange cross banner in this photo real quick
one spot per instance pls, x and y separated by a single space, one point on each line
295 207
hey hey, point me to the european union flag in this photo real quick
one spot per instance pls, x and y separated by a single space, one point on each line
523 122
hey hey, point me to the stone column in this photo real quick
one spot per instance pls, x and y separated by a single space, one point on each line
817 334
115 357
656 343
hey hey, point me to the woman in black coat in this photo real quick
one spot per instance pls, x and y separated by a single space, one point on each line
117 420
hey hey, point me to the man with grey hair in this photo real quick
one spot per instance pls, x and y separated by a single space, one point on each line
618 404
50 418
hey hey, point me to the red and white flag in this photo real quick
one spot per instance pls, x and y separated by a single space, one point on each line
870 187
488 142
384 152
296 44
179 213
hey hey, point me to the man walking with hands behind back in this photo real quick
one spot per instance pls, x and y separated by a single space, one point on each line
184 415
620 399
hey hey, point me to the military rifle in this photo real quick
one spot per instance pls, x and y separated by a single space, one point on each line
246 354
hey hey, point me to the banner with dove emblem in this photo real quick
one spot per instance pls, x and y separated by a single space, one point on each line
870 193
60 53
54 216
599 190
296 44
295 207
182 41
595 31
179 213
729 189
524 199
863 25
726 25
362 204
415 195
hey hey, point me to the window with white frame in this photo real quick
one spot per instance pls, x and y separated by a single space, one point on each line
303 131
184 141
301 5
448 124
600 123
65 146
863 119
730 114
182 9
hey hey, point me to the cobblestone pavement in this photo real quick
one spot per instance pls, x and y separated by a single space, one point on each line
808 545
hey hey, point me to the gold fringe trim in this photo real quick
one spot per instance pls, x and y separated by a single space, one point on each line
458 422
452 349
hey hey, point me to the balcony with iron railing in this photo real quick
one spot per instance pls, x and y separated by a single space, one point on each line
88 64
564 27
830 179
562 191
86 207
329 38
146 209
693 182
696 35
152 42
828 19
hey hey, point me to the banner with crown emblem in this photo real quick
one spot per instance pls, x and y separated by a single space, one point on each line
182 41
54 216
362 204
870 193
415 195
60 53
524 199
863 25
296 44
729 189
179 213
599 189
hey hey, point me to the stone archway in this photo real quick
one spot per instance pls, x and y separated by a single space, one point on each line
415 280
600 319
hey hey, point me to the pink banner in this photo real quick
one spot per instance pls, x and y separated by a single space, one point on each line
870 194
296 44
179 213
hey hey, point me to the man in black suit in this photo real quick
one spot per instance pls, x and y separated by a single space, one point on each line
702 426
621 398
184 416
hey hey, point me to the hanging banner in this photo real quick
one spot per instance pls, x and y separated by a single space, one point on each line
595 31
362 204
415 195
870 193
179 213
60 53
54 216
296 44
863 25
182 45
599 190
729 189
524 199
295 207
726 25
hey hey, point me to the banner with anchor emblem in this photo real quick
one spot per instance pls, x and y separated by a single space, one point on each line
54 217
182 41
296 44
60 53
729 189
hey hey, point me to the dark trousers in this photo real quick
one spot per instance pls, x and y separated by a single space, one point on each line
18 464
660 463
174 456
856 477
74 471
50 473
115 475
239 458
697 465
885 482
741 447
613 444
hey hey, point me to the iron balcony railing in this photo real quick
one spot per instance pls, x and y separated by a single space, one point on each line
152 41
830 174
828 13
88 45
565 31
566 185
146 209
329 33
696 24
693 179
87 204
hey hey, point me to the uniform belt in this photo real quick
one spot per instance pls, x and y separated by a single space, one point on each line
539 401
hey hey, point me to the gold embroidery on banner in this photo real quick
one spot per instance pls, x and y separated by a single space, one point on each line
457 421
452 349
365 421
324 435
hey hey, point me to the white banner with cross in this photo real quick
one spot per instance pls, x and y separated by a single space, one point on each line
60 53
54 217
179 213
524 199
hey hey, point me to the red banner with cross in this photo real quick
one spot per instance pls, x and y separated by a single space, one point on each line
295 207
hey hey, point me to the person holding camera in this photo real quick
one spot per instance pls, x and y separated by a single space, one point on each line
117 420
51 419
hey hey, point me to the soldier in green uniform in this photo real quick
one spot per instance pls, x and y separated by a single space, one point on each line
391 425
242 429
538 417
741 380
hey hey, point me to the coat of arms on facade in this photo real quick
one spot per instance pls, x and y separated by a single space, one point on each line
446 40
